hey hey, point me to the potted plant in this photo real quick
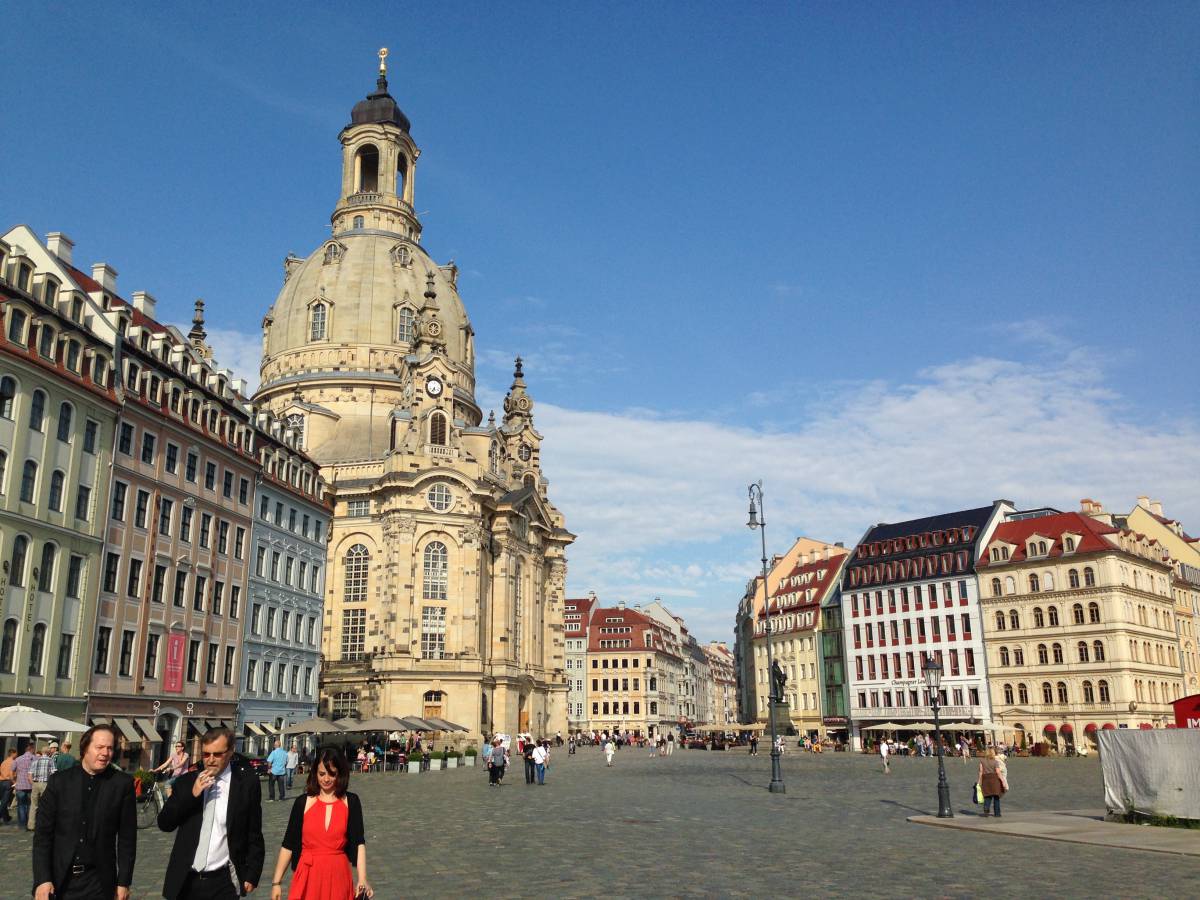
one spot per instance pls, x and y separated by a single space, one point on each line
452 757
436 758
469 757
414 761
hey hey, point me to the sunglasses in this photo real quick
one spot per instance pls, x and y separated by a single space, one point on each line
208 754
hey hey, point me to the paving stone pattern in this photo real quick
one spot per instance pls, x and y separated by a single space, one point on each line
701 824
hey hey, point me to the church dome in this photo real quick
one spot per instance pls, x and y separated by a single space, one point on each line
379 107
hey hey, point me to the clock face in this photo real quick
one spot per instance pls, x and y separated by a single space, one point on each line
524 452
433 386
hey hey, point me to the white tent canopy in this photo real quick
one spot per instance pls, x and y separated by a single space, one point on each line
19 720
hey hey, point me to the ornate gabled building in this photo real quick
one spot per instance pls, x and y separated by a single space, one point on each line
446 557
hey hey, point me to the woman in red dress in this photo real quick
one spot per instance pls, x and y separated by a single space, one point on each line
324 837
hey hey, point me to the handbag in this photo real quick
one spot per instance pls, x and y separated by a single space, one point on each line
977 796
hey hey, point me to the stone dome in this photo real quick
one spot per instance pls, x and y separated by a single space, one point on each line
367 281
379 107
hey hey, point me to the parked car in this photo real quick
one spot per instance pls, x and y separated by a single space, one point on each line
259 765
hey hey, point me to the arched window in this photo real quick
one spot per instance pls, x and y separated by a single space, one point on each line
356 564
529 480
358 221
996 590
1018 656
1062 692
401 175
8 646
1137 579
1082 647
3 470
1073 578
436 570
1008 694
437 429
1089 695
1089 577
37 411
367 160
1077 613
494 457
37 649
1022 693
1043 655
65 412
296 422
16 565
1010 585
1057 651
1004 660
1042 548
406 325
1052 611
1103 686
1039 620
318 321
46 569
1098 651
8 395
1014 619
999 620
1047 692
1033 583
56 490
29 481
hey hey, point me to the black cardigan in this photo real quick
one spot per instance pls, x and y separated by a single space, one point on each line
292 838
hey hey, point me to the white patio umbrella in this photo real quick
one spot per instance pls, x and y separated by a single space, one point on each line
313 726
17 720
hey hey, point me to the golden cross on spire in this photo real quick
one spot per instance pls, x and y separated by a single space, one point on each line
383 53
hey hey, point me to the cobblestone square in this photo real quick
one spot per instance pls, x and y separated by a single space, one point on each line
702 824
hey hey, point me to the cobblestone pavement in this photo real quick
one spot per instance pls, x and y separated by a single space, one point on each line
702 824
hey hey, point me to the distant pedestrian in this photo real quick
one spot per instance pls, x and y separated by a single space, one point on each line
754 745
527 749
571 745
63 758
670 743
6 785
277 760
487 758
993 782
541 756
609 749
23 784
884 753
176 764
499 760
85 843
39 774
293 763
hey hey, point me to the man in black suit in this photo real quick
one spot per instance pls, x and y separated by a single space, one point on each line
85 841
218 852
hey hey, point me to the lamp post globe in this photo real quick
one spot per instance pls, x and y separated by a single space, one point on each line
932 670
758 521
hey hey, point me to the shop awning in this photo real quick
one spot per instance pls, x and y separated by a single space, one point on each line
148 729
1090 727
127 729
213 723
196 726
1109 726
267 728
1050 729
1067 729
254 729
100 720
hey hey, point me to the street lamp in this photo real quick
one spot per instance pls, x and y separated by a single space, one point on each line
932 670
760 523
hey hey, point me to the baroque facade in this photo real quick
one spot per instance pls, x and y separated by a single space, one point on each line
446 566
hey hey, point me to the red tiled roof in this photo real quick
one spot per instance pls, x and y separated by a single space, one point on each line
1090 532
817 577
640 625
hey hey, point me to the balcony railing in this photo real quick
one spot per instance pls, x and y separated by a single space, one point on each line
364 198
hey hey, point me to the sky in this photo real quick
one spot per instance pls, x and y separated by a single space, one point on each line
892 259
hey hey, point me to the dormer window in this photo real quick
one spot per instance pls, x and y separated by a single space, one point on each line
131 377
296 422
71 358
100 371
24 276
1069 544
401 255
318 321
16 325
46 341
76 309
333 252
406 325
50 291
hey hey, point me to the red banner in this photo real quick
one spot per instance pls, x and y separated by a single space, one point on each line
1187 712
173 671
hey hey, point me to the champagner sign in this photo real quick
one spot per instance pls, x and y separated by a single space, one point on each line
173 671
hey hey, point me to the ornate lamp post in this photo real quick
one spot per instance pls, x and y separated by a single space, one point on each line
932 670
760 523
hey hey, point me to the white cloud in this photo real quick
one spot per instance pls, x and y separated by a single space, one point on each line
237 351
660 504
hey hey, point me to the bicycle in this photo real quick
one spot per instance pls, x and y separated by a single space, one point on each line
149 805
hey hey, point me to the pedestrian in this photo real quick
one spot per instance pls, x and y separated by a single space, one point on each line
6 785
23 784
541 758
571 745
754 745
496 765
324 838
217 814
63 758
609 749
487 758
670 743
277 760
653 747
530 765
176 764
293 762
39 774
993 781
884 751
85 843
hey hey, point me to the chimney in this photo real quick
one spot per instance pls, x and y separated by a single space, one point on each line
1156 507
60 245
1144 502
826 551
620 604
106 275
804 559
144 303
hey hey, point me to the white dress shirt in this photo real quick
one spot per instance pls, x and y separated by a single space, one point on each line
218 844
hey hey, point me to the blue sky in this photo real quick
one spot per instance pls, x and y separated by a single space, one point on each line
892 259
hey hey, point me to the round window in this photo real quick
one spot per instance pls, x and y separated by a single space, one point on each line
439 497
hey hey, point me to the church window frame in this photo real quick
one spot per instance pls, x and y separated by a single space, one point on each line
295 421
438 432
401 255
319 320
406 324
366 169
439 497
435 571
354 633
356 574
433 632
344 704
358 223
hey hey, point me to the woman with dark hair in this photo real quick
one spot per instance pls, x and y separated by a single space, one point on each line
324 831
